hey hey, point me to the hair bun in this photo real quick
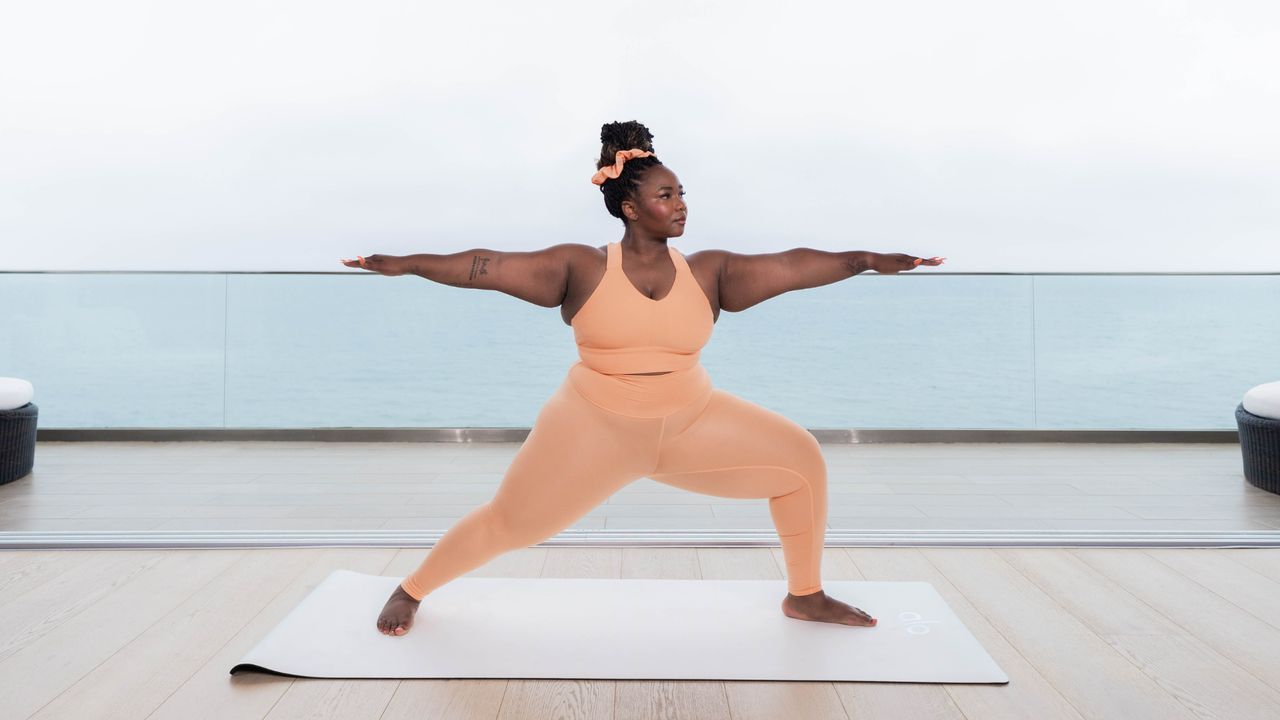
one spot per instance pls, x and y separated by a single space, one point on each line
617 136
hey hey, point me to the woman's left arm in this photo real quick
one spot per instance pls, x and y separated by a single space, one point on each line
747 280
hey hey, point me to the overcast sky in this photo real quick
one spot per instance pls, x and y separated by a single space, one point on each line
1007 136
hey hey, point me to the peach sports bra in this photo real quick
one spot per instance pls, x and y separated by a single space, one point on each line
620 330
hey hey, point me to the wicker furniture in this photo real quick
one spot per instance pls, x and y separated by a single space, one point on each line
17 442
17 429
1258 418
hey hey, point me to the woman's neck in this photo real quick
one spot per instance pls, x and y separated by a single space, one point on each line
645 247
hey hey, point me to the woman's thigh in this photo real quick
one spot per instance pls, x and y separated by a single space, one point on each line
575 457
736 448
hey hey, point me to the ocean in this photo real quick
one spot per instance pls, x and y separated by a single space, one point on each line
1009 352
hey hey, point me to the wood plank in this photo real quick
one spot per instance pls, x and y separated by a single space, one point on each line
1063 512
345 699
40 671
74 525
1249 590
209 691
23 570
750 700
1264 561
643 699
175 647
743 564
78 584
918 701
1028 694
1232 632
1138 525
131 484
1203 680
32 570
1090 674
1177 662
265 524
660 563
12 563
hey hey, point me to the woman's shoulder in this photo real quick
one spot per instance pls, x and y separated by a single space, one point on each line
582 249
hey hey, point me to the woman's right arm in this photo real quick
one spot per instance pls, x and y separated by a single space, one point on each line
539 276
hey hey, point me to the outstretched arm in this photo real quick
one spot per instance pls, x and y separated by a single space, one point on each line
539 276
747 280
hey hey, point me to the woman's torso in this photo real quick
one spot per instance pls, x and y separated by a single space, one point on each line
654 282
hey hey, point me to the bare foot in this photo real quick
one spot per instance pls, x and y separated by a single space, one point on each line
397 614
821 608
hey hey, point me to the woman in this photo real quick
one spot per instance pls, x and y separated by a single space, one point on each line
638 403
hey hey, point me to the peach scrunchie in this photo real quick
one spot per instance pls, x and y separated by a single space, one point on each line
621 158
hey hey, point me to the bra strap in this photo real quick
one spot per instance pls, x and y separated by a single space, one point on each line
678 258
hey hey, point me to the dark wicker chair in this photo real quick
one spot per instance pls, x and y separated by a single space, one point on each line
1260 445
17 442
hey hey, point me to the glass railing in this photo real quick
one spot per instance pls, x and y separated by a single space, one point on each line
193 350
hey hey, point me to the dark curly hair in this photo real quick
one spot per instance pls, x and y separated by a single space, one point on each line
617 136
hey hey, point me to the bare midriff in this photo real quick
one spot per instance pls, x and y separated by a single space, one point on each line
657 373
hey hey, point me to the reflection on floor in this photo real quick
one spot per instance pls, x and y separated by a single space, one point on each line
281 486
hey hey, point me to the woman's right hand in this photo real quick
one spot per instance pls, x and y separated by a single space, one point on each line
389 265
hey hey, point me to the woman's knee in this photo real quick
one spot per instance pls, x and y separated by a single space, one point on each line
813 466
809 460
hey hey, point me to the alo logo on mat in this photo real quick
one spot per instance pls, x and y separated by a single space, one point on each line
916 624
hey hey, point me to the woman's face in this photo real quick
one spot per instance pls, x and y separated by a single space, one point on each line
659 206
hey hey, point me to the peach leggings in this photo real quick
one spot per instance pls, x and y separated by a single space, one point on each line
598 433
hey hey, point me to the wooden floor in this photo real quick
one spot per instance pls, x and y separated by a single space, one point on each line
1084 633
280 486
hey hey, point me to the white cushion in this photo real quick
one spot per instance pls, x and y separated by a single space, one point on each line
1264 400
14 393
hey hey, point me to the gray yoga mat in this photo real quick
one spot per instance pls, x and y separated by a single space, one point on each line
621 630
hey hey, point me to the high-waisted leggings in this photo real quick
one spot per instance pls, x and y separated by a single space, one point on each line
598 433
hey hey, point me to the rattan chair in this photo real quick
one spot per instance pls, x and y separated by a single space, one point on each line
17 442
1260 436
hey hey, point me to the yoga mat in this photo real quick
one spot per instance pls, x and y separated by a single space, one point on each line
621 630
